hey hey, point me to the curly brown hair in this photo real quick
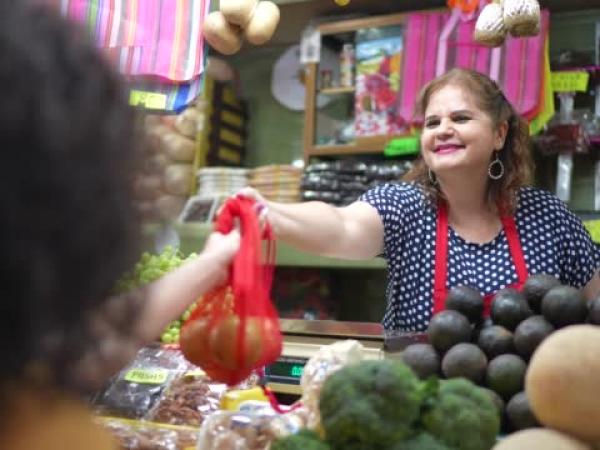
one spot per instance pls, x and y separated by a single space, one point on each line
68 227
515 155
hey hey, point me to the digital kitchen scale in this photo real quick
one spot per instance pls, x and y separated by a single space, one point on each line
303 338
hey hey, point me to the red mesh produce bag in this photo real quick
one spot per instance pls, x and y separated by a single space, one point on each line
235 328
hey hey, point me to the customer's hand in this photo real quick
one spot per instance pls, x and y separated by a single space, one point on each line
221 248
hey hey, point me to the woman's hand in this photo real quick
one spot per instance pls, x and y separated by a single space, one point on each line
263 208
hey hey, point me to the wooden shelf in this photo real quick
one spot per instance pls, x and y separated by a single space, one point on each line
362 145
370 145
337 90
347 149
193 235
356 24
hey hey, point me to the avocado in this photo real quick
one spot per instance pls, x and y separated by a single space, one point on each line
486 323
422 359
465 360
564 305
482 325
509 308
519 413
467 301
495 340
594 312
530 333
448 328
536 287
505 375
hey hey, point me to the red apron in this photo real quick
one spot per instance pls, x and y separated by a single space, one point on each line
441 259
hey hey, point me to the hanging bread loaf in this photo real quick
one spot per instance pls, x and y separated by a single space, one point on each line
156 164
178 147
169 207
237 12
490 29
186 122
148 187
147 211
263 23
178 179
222 35
522 17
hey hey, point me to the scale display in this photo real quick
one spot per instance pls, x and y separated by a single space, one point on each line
286 369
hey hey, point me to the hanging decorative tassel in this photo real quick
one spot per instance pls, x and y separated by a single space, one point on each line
465 6
490 29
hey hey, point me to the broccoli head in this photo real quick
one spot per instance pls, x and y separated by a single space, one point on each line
462 416
423 441
303 440
369 405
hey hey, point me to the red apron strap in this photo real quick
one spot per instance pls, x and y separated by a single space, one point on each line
514 246
441 259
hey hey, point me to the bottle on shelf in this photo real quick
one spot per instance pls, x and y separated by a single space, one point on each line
347 63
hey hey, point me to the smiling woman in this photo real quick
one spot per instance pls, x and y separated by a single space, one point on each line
463 216
478 114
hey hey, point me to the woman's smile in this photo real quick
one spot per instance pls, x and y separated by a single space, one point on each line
444 149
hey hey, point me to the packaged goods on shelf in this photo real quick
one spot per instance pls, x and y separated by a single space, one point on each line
343 182
188 400
227 430
143 435
280 183
161 386
134 391
221 181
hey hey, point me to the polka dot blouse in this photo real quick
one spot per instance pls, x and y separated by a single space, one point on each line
553 239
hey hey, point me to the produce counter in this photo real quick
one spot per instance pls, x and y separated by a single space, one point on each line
162 402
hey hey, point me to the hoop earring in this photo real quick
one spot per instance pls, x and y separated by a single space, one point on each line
499 168
432 177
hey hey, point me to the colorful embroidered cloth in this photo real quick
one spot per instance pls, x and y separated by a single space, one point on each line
438 41
146 37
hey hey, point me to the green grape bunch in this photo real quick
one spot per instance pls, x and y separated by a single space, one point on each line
149 268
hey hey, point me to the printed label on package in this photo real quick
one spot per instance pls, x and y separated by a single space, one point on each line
149 100
147 376
570 81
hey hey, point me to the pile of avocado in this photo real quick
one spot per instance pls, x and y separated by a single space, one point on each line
493 352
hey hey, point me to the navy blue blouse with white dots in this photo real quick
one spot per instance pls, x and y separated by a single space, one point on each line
553 239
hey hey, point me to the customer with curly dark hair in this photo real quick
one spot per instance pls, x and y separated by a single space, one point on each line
465 214
68 231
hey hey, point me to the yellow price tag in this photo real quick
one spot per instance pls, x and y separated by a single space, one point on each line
570 81
150 100
147 376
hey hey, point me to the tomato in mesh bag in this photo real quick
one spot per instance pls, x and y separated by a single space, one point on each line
235 328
